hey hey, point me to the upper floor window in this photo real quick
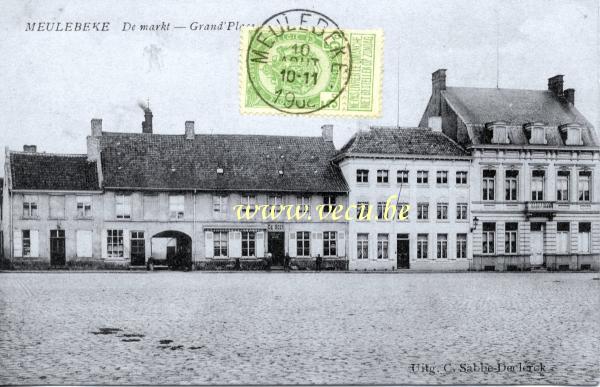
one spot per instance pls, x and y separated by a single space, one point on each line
461 177
363 211
583 186
441 177
362 175
123 206
329 243
422 177
562 186
57 206
329 202
276 201
248 200
461 211
571 134
30 206
537 185
498 132
219 204
303 202
422 211
442 211
380 210
538 135
382 176
176 206
511 182
84 206
402 177
488 184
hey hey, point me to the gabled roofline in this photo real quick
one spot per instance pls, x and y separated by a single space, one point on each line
399 156
217 190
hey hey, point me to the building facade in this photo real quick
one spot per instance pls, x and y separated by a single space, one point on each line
535 176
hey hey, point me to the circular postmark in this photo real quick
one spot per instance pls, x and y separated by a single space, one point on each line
299 61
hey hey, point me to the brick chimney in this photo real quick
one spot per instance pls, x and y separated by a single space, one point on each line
438 80
147 123
555 85
327 132
570 95
29 148
189 130
96 127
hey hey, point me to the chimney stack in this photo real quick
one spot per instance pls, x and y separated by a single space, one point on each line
555 85
96 127
29 148
570 95
147 123
438 80
327 132
189 130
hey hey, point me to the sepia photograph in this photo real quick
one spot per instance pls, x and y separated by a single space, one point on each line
385 192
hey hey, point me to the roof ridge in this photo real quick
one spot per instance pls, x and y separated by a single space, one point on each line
208 135
48 154
496 88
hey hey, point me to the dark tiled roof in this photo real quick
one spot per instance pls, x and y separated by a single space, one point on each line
402 141
40 171
478 106
249 163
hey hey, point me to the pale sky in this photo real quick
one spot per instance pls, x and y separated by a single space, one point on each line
53 83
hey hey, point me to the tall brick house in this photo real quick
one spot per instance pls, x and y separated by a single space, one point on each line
535 186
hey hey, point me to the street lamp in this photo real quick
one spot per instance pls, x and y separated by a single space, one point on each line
475 222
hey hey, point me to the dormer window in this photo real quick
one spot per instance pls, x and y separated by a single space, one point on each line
536 133
498 131
571 134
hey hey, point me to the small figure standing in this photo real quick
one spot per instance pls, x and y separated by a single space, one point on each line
318 262
269 260
286 262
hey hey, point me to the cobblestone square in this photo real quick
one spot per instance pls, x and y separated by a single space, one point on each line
221 328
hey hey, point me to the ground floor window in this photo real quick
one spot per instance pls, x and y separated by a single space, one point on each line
248 244
442 245
422 245
26 235
303 243
510 238
220 243
382 246
583 240
362 246
84 243
461 245
329 243
488 238
114 244
562 240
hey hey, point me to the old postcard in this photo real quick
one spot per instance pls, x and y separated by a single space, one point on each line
290 193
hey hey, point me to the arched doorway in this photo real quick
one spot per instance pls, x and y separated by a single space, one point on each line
172 249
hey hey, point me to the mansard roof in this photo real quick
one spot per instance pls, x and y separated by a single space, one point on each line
219 162
478 106
42 171
398 141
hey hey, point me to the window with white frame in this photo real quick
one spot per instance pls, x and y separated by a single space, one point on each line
510 238
84 206
422 177
537 185
442 246
248 201
562 186
362 246
422 211
275 201
114 244
303 243
461 245
488 184
511 183
383 241
442 211
220 243
329 203
123 206
380 210
329 243
461 211
248 244
402 176
219 204
26 243
563 237
583 240
303 203
488 238
422 245
362 175
461 177
176 206
583 186
30 206
362 211
402 209
383 176
441 177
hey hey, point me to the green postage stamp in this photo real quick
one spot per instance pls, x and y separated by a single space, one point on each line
319 71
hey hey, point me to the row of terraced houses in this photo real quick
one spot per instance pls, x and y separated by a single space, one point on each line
496 179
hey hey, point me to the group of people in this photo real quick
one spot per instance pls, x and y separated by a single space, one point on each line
287 262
